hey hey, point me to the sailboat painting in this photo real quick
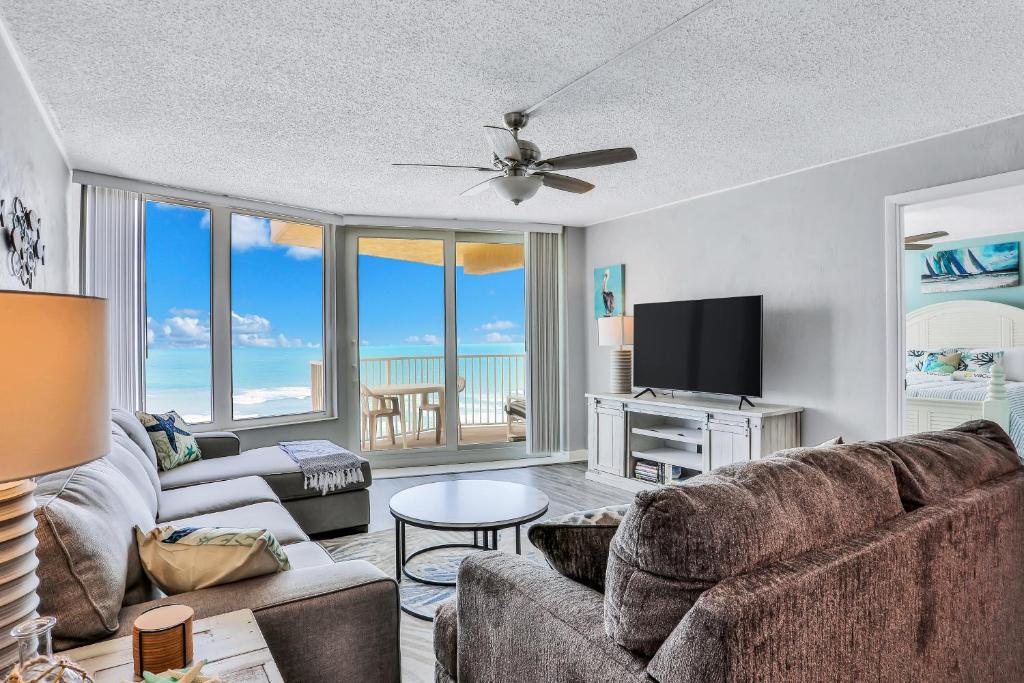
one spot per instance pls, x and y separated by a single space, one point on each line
987 266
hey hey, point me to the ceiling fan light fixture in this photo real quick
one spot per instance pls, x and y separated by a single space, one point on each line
516 188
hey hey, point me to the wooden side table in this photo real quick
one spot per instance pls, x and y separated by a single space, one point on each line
232 645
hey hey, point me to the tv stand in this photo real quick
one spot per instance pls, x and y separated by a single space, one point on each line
743 399
648 390
648 442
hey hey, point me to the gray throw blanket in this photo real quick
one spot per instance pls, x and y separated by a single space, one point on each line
325 465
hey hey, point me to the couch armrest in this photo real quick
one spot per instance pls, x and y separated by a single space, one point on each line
518 621
218 444
336 622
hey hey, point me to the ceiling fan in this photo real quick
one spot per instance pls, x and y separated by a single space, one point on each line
523 171
913 242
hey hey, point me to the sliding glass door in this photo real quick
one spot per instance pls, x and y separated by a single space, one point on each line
440 352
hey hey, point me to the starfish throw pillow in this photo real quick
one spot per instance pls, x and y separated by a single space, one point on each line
174 443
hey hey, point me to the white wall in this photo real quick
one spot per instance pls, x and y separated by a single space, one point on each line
812 243
33 168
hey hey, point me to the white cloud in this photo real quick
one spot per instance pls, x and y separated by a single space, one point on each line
413 339
204 222
187 312
431 339
303 253
497 338
364 343
248 232
499 325
183 331
253 340
249 323
150 332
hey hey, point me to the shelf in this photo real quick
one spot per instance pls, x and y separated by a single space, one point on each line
673 456
672 433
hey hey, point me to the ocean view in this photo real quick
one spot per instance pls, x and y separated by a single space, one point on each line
276 381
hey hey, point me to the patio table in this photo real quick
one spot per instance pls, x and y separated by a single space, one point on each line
413 389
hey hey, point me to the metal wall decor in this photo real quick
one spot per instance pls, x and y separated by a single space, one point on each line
21 234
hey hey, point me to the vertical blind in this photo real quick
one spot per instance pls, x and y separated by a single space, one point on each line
544 295
113 268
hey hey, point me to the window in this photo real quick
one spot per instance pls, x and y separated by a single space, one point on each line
277 303
237 315
179 365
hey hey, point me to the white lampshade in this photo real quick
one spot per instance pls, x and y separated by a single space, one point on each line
54 403
616 330
516 188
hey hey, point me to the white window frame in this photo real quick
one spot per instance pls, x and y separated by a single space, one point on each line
221 381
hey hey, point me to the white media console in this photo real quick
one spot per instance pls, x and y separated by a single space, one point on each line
679 437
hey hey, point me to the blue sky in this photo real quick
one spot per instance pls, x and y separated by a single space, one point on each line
277 291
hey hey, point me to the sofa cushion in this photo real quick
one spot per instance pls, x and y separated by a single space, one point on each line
270 462
120 436
576 545
307 554
88 559
131 467
446 639
216 496
127 421
935 466
675 543
271 516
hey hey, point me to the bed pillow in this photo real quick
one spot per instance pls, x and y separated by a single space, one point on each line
915 359
979 362
191 558
940 363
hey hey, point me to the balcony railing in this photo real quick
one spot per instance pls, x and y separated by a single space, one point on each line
490 379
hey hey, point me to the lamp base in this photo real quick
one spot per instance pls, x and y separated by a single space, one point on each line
18 581
622 371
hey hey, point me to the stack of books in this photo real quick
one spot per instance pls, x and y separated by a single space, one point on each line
647 471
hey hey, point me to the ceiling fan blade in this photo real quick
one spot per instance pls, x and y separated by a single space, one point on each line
503 142
599 157
478 188
474 168
565 183
925 236
911 246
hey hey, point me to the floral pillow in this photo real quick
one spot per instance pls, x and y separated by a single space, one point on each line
941 363
915 359
174 443
978 362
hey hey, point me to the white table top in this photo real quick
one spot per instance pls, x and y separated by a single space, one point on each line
402 389
469 504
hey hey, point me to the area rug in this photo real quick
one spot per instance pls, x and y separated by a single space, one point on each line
378 548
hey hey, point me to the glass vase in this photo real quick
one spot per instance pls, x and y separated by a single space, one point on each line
36 662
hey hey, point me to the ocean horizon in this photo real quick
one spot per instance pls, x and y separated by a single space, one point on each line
276 381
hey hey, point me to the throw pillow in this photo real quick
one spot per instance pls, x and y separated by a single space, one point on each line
576 545
978 362
174 443
915 359
187 559
938 363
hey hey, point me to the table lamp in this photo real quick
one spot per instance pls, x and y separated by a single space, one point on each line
617 331
54 414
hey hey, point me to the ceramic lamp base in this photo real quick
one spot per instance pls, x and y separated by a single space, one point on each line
18 582
622 371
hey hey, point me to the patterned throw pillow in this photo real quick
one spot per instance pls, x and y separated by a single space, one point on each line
915 359
938 363
191 558
978 362
576 545
171 438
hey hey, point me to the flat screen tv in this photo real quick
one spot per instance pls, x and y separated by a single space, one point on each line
706 345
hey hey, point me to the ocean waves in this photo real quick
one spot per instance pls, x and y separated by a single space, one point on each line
255 397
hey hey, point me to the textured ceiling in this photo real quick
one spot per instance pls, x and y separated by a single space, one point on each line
307 103
994 212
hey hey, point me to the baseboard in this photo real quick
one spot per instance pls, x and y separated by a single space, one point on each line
480 466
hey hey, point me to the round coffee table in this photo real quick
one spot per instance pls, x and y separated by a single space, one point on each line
476 505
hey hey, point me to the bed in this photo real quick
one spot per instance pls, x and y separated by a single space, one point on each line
939 402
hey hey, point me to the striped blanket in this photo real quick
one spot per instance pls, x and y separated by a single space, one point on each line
932 386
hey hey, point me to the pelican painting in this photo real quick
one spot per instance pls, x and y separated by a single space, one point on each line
608 295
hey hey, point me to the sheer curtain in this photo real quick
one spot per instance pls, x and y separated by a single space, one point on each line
112 257
544 345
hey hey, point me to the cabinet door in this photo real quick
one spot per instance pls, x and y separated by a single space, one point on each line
608 454
730 442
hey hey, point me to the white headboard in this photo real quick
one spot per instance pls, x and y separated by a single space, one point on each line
968 324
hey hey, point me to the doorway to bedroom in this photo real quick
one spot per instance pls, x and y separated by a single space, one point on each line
959 304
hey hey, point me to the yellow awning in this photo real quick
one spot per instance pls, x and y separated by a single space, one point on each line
296 234
476 258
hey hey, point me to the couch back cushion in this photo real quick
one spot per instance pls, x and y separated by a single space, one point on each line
88 558
675 543
935 466
123 456
127 421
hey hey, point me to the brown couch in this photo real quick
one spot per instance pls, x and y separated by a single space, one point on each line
323 621
899 560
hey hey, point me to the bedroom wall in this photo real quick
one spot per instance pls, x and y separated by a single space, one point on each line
32 167
913 267
812 244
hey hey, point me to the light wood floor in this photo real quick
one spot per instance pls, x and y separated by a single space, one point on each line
471 434
567 491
